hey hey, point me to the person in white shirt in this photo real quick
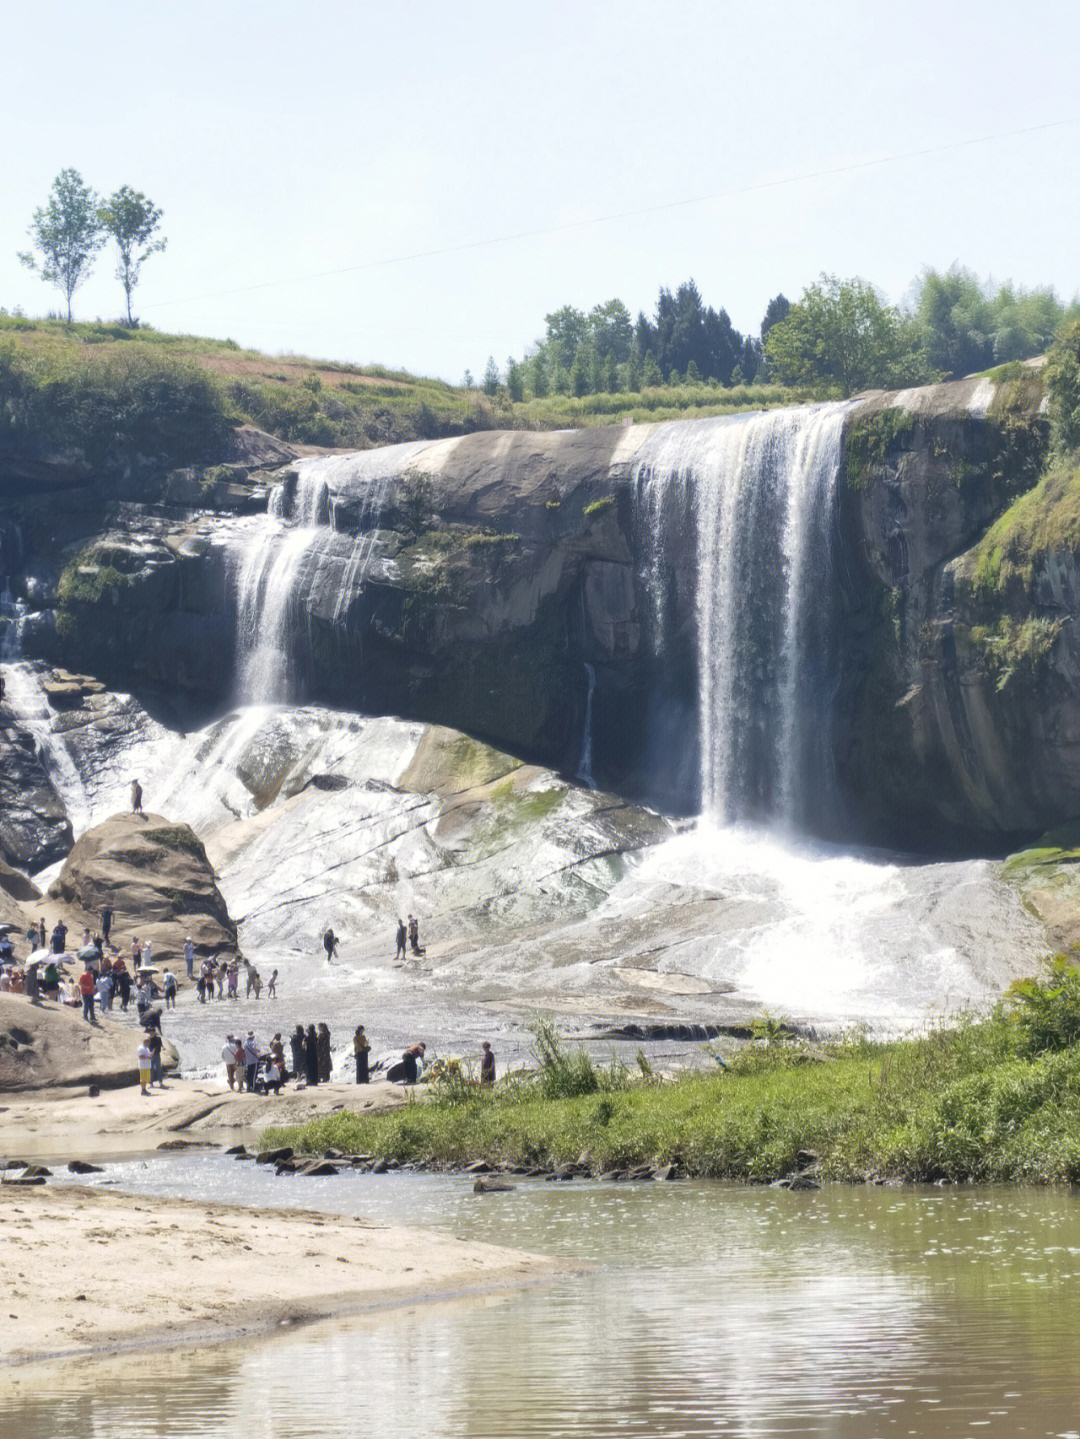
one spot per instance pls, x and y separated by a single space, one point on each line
143 1055
189 956
228 1054
252 1053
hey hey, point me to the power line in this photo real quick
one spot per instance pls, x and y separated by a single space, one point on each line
636 213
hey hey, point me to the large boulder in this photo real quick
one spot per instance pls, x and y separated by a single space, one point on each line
155 876
48 1046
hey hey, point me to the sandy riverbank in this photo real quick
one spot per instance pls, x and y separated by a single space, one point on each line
59 1125
85 1271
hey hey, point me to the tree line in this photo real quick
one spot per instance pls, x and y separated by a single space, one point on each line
839 337
75 224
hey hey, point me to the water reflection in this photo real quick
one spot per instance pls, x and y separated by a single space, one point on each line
847 1313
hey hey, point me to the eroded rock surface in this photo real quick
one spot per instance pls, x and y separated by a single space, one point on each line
153 873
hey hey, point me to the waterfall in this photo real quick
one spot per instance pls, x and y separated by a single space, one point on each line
584 769
280 560
760 490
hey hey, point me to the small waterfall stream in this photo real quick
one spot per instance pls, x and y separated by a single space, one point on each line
280 560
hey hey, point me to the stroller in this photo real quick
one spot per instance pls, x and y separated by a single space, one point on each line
268 1077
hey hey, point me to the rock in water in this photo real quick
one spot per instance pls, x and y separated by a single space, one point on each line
153 873
490 1184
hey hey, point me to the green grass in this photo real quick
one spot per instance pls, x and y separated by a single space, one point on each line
992 1100
118 393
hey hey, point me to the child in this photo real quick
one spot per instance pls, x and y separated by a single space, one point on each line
271 988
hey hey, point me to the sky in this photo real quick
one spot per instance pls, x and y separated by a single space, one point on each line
418 184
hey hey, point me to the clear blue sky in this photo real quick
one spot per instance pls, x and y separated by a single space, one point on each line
285 139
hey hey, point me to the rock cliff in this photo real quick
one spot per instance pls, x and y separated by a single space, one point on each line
500 571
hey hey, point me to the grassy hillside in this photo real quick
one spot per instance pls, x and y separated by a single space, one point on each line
112 392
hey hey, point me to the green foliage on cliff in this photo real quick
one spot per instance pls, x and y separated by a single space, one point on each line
1047 518
1063 381
869 440
992 1100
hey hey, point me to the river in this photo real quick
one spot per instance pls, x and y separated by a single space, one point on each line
849 1312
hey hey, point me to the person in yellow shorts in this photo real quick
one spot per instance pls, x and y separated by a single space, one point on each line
144 1067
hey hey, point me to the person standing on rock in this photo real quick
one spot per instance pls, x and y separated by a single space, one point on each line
228 1055
252 1055
136 797
59 937
361 1048
401 938
87 986
487 1064
414 935
311 1055
123 984
106 923
271 988
157 1072
330 944
296 1044
169 986
136 955
326 1062
143 1055
189 956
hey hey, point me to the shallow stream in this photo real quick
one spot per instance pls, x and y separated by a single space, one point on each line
850 1312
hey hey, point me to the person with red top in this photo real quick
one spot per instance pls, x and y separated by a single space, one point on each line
86 989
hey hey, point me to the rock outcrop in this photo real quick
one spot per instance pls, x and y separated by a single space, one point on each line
500 571
154 875
48 1046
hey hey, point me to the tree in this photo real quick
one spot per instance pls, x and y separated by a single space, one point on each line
515 379
650 374
840 335
491 378
579 373
778 308
567 329
538 376
131 220
67 232
468 381
1063 382
610 330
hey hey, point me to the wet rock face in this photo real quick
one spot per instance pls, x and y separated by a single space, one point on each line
34 827
939 742
484 606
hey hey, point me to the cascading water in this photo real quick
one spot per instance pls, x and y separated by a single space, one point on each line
760 489
281 558
584 769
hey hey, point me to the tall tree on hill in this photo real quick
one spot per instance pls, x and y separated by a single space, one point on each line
491 378
840 335
67 235
132 220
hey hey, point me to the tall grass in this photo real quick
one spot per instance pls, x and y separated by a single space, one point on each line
997 1099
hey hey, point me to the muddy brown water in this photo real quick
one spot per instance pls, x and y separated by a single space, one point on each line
849 1313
